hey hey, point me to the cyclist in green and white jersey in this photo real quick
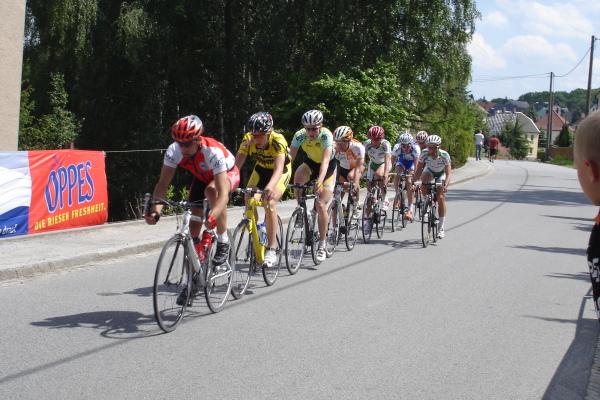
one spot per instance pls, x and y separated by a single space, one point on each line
379 151
435 163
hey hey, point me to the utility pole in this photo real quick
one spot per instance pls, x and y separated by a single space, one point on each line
550 113
589 88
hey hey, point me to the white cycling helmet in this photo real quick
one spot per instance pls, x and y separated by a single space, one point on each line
422 136
312 117
434 139
405 138
343 133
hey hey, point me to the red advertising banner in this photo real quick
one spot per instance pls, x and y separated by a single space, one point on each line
68 189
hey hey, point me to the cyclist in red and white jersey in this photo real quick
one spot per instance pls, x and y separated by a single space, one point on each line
422 140
215 176
350 154
435 163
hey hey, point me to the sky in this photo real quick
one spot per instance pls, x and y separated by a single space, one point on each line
518 43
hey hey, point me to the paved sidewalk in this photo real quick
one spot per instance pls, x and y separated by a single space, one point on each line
27 255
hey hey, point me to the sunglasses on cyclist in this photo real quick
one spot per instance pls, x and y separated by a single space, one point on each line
258 136
405 145
432 148
312 129
186 144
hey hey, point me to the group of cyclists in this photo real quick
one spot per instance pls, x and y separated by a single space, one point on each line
328 157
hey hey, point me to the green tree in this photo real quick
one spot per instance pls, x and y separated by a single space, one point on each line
132 68
512 137
52 131
542 139
564 138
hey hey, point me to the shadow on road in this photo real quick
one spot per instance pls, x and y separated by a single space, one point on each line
571 378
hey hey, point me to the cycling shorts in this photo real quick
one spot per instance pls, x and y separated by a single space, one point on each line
261 176
407 165
198 187
342 174
441 176
313 168
373 167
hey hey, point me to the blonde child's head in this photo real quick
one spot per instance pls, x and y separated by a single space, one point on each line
587 156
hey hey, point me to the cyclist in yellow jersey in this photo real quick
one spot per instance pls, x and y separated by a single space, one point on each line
271 173
317 142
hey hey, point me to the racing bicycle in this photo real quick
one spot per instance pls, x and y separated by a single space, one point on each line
373 214
302 231
181 271
249 250
429 213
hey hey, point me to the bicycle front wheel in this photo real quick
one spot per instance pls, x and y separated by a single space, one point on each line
396 212
170 280
434 222
243 250
295 242
418 202
352 226
270 274
367 220
380 222
333 228
219 279
425 224
315 239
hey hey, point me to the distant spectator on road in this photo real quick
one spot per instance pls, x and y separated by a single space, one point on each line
587 162
494 143
478 144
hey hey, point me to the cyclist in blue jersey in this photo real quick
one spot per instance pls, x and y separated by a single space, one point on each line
404 156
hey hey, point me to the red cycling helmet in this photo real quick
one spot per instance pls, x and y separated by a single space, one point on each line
376 132
187 129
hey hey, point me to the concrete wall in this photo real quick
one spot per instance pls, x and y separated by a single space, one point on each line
12 25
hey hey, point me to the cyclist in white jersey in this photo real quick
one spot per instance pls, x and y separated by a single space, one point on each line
404 156
379 151
435 163
350 154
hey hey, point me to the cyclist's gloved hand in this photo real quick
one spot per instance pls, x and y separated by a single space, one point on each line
152 217
211 222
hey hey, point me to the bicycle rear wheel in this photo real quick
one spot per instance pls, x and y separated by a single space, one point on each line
367 222
333 227
352 226
219 279
171 278
295 242
270 274
425 225
243 250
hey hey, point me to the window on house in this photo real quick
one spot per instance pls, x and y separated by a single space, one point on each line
530 151
532 138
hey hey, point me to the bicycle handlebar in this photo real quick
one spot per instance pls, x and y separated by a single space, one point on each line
148 202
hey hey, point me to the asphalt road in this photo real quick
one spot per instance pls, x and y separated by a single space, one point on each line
498 309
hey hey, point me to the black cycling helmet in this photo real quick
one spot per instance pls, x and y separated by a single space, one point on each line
260 122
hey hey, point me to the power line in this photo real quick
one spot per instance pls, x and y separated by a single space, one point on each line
505 78
586 53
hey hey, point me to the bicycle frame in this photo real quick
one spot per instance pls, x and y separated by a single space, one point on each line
253 204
